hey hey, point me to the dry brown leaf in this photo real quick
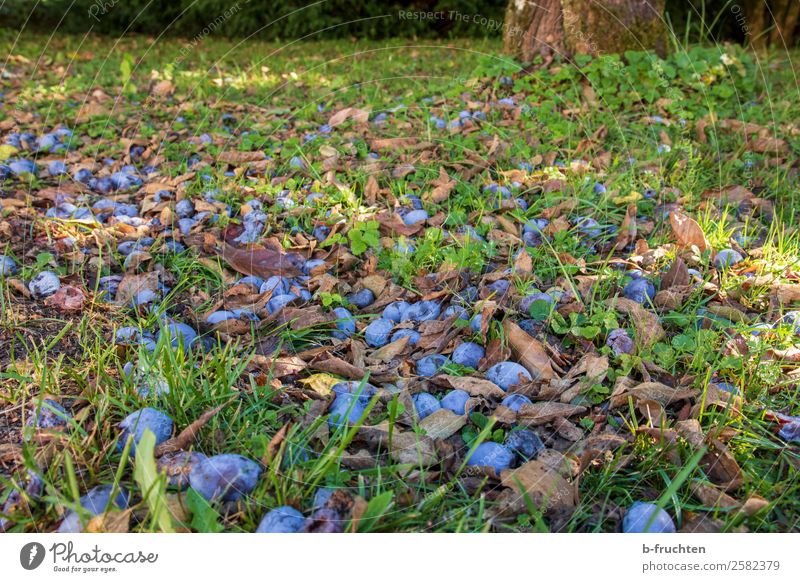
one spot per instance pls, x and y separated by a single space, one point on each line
133 284
656 391
163 88
652 411
357 115
187 435
545 487
67 298
768 145
389 351
111 522
544 412
275 443
627 231
677 276
262 262
442 424
443 185
647 325
530 352
470 384
786 293
754 504
721 467
413 449
236 157
334 365
712 497
393 143
687 232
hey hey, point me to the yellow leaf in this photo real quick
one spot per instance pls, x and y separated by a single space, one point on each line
6 151
321 383
632 197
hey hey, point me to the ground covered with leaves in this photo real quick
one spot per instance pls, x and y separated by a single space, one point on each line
391 287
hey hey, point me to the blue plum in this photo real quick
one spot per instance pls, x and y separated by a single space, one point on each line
177 466
412 334
425 404
50 414
7 266
224 477
345 323
361 299
422 311
415 217
136 423
493 455
640 290
456 401
619 341
346 408
94 503
395 311
515 401
468 354
727 258
524 443
44 284
278 302
457 310
377 333
220 316
792 319
178 334
429 365
277 284
526 302
476 322
507 374
643 517
283 519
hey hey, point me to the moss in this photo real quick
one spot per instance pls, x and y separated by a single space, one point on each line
614 26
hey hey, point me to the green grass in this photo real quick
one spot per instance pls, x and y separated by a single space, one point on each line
274 93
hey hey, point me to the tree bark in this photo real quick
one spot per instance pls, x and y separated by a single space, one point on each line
569 27
770 22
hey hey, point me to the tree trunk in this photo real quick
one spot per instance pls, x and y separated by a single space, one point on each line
568 27
770 22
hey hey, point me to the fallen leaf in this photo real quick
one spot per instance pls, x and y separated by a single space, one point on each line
647 325
627 231
390 351
111 522
236 157
163 88
721 467
187 435
262 262
67 298
442 424
544 412
132 284
530 352
712 497
545 487
687 232
357 115
322 384
677 276
470 384
653 391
